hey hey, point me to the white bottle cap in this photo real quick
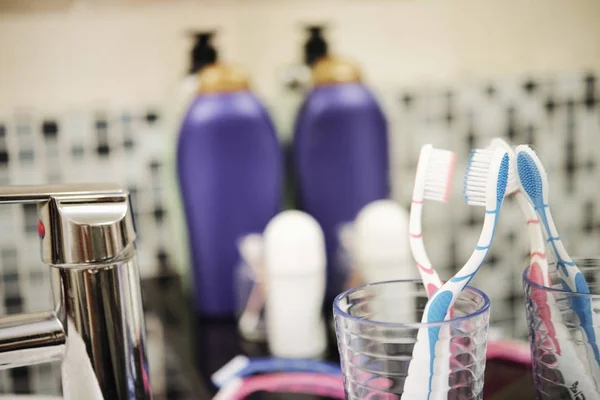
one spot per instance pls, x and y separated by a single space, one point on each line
381 243
294 245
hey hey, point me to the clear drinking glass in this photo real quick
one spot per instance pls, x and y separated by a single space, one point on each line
377 325
565 362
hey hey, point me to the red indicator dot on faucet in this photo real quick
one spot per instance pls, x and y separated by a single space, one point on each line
41 230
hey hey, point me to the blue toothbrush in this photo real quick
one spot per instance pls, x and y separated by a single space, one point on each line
485 185
534 182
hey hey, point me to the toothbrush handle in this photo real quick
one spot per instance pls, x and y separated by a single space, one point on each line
573 280
431 280
537 243
568 362
429 370
554 239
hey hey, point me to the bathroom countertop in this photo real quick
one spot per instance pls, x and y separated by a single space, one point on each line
195 348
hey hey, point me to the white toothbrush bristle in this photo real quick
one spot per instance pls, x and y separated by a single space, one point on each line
440 168
476 176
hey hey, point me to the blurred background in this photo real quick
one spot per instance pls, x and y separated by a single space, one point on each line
95 91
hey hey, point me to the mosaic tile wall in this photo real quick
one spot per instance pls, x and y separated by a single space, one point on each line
559 116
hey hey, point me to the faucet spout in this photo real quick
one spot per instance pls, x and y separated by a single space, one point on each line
88 239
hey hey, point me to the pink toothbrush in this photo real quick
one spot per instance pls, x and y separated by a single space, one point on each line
432 182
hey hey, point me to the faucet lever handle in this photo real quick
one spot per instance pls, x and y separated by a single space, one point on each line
79 224
41 193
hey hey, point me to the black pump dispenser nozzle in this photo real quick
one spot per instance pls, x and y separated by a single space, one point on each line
316 47
203 53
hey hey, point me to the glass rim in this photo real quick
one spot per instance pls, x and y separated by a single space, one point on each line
337 310
529 282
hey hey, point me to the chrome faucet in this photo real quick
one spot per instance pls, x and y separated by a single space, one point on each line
87 238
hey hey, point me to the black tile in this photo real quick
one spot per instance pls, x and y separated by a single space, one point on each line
10 277
31 217
492 260
151 117
590 91
470 140
530 86
530 135
128 144
159 214
588 222
550 106
50 129
511 132
20 380
453 254
3 157
9 259
407 99
163 261
590 165
571 165
126 118
162 257
103 150
155 166
475 219
77 151
14 304
511 237
29 209
101 124
515 297
26 156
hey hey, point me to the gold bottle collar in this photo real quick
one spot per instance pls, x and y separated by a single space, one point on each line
221 78
335 70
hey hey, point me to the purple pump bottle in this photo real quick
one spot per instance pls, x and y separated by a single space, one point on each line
229 168
341 154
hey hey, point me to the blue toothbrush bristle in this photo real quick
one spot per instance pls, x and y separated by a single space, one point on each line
529 176
502 178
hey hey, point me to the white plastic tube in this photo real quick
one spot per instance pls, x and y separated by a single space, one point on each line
295 260
382 253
